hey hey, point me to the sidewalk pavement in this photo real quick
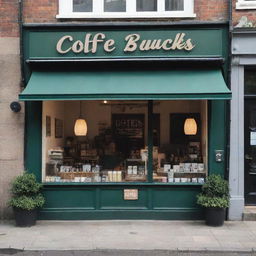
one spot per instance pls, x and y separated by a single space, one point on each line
130 235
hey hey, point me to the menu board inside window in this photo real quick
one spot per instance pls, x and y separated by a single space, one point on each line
128 131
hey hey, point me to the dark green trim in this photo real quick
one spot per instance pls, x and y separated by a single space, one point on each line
82 214
217 136
216 60
33 140
150 141
154 202
226 96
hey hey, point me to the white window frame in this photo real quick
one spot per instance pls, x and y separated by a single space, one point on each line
66 11
245 4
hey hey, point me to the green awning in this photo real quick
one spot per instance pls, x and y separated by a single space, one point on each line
126 85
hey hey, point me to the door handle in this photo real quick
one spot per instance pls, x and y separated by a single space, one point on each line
247 157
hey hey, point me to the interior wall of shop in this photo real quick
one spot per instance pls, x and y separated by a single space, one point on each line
53 109
243 54
11 124
95 111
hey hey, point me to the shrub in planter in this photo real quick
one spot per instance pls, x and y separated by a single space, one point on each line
215 199
26 199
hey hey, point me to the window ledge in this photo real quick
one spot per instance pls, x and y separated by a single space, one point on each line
243 5
123 15
120 184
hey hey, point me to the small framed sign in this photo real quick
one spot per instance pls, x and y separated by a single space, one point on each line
131 194
58 128
48 126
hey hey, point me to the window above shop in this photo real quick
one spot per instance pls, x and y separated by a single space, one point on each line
73 9
246 4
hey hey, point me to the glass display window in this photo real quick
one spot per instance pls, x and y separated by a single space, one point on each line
121 142
112 149
181 156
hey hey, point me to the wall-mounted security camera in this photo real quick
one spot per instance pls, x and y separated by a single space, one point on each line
15 106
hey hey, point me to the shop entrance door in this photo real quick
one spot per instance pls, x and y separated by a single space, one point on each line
250 151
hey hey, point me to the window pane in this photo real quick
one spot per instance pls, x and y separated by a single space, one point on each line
114 5
250 81
146 5
113 150
174 5
179 150
82 5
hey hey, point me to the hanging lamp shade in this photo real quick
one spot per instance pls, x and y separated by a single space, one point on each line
190 126
80 128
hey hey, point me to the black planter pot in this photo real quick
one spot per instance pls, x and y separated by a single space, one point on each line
25 218
214 216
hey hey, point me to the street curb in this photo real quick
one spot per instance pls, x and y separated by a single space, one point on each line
107 252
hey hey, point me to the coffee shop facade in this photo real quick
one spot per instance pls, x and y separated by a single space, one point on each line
125 121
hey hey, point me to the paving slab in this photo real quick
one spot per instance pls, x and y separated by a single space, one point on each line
129 235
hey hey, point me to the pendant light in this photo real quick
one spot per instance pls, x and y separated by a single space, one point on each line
190 126
80 128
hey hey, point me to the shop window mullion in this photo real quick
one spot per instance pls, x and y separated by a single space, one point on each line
150 141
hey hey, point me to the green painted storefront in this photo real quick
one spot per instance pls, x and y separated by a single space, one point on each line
105 200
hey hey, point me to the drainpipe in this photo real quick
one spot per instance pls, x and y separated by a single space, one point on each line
22 80
20 21
230 12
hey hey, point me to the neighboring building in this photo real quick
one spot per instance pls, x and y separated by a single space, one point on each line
150 79
243 83
11 123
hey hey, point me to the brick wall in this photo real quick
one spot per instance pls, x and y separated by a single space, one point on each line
11 124
40 11
211 10
9 10
237 14
44 11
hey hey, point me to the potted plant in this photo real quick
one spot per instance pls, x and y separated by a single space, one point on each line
215 199
26 199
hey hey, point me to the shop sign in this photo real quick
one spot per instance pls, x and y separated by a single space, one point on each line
130 194
123 42
133 42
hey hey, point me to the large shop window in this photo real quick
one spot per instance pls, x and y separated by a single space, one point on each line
125 8
246 4
115 147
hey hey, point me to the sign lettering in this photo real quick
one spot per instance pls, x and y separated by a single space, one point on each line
133 43
131 194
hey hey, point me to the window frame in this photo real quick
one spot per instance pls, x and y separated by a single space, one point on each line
245 4
66 11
